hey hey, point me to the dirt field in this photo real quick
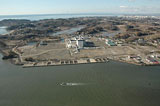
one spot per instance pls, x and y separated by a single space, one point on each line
60 52
50 51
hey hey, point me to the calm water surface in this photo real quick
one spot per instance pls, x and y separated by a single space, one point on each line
52 16
107 84
3 30
68 31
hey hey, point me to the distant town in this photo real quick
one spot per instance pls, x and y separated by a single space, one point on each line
84 40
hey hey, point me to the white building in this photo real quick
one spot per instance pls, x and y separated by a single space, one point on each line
75 43
80 44
71 44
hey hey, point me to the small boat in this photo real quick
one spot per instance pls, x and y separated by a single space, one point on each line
63 84
68 84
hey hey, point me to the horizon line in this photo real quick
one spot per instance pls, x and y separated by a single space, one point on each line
82 14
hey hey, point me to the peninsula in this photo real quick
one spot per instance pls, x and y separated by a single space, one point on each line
50 42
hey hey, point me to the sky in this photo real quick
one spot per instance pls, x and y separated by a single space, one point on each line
20 7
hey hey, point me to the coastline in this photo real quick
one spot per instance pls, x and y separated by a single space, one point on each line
45 64
16 61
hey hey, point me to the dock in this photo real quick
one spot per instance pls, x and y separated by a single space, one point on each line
65 62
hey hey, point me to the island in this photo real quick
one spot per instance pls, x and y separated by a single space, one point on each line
84 40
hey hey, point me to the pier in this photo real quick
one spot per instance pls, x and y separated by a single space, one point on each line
65 62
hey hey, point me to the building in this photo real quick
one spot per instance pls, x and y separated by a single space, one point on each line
75 43
71 44
43 43
109 42
120 43
80 43
141 41
89 44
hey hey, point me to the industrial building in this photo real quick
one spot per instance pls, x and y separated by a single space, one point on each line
75 43
80 43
